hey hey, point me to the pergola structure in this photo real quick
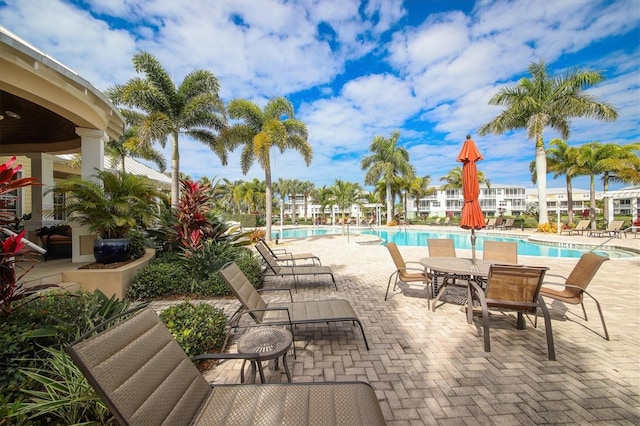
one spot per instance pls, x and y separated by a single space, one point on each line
48 109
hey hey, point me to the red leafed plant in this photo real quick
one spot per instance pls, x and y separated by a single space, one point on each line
193 223
10 245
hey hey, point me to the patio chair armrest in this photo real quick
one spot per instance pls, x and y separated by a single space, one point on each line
277 289
555 275
414 263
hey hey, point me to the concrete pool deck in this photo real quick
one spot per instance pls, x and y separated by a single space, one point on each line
430 368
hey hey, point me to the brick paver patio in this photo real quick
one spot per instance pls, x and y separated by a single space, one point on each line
430 368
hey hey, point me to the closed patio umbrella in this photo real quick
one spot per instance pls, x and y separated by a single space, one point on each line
472 217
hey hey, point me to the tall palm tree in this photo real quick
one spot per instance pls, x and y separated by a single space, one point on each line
251 195
386 161
260 130
345 194
192 108
128 145
226 193
589 164
281 188
544 101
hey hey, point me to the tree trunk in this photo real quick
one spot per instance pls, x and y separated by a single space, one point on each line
592 201
389 203
269 199
569 200
541 170
175 171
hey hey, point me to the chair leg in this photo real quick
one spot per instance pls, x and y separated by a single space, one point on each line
389 285
547 327
604 326
584 311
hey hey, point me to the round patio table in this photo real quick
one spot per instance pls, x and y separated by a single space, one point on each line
453 268
270 343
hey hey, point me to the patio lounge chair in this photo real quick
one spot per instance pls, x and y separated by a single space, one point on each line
575 285
508 224
288 313
581 228
447 221
512 288
403 272
501 252
145 378
436 222
283 256
613 230
491 223
276 270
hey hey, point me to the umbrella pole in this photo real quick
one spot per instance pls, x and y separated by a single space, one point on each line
473 246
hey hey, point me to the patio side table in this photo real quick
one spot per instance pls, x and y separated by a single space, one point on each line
270 342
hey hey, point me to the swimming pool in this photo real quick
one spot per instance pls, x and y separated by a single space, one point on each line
461 240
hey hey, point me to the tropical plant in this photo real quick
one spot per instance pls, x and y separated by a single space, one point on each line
387 161
64 393
296 187
322 197
260 130
281 188
10 245
345 194
418 188
251 195
306 189
163 110
544 101
111 203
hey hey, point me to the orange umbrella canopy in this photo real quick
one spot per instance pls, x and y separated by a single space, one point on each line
472 217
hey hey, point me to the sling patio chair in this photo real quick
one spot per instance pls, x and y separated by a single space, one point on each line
613 230
581 228
491 223
276 270
574 287
440 247
437 221
287 313
145 378
508 224
514 288
500 252
447 221
405 273
283 256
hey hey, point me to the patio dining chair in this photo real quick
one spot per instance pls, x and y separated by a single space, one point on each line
440 247
500 251
145 378
574 287
515 288
404 273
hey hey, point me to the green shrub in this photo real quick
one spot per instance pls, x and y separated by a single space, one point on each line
198 328
213 285
138 243
158 279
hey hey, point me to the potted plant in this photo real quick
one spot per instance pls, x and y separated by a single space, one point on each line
111 204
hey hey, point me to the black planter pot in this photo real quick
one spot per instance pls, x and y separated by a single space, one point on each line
111 250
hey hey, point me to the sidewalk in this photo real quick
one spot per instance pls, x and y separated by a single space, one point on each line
430 368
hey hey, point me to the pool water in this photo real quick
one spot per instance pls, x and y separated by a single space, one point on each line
461 241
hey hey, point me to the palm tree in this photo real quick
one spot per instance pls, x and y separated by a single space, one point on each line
323 197
561 160
192 108
543 101
306 189
453 179
345 194
259 131
251 195
387 161
418 188
589 164
281 187
296 187
128 145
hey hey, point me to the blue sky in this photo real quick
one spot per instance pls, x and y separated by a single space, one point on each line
354 70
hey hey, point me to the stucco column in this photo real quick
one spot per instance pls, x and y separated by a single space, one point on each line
92 152
41 202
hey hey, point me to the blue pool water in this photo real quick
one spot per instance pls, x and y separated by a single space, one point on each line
461 241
